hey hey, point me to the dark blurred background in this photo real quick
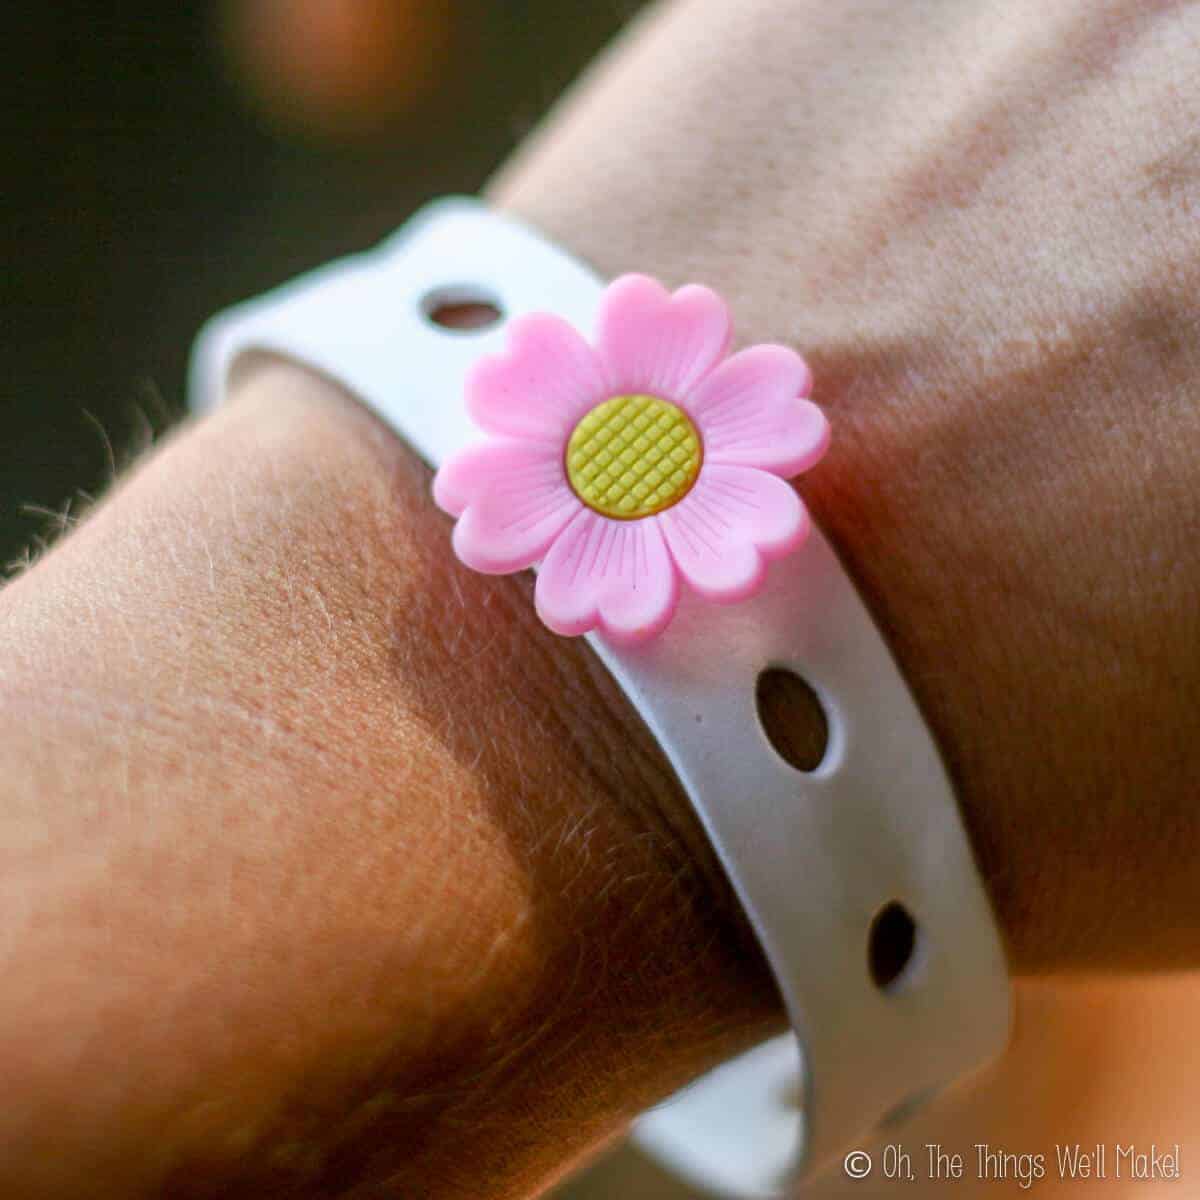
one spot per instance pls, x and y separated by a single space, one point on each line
165 160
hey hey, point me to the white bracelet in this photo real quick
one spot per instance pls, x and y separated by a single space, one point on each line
823 861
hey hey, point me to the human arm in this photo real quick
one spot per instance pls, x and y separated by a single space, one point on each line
241 903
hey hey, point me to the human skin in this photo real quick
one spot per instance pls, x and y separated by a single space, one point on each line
978 221
323 863
329 872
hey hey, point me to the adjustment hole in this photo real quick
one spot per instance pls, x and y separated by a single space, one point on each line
792 717
461 308
891 945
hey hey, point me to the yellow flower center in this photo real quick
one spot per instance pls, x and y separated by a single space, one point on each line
632 456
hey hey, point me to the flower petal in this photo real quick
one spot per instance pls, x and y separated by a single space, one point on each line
513 498
464 476
541 385
750 412
615 576
655 342
734 519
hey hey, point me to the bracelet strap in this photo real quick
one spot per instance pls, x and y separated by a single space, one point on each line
815 857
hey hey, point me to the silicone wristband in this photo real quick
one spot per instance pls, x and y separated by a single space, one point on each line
814 857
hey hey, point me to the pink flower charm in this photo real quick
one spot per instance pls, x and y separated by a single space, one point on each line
623 467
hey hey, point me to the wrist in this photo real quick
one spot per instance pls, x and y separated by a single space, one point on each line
1013 462
481 850
901 508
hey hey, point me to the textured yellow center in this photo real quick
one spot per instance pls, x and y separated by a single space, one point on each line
632 456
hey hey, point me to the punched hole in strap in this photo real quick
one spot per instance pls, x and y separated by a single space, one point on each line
792 717
462 308
893 947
